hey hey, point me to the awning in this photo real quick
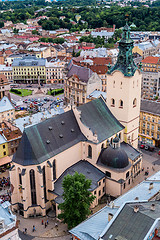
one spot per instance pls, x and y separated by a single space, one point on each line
5 160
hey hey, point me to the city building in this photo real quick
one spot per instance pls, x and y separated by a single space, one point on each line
98 65
134 220
8 223
12 136
145 49
7 71
29 69
55 72
4 86
97 225
58 143
80 83
89 132
150 77
124 89
149 128
7 111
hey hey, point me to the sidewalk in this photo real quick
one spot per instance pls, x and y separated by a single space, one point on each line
51 231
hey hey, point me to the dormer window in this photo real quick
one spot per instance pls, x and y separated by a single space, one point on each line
112 102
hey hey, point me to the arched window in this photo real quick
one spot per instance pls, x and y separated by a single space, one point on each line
102 146
54 169
33 187
134 102
114 84
119 135
121 104
89 151
20 176
112 102
108 174
127 174
44 184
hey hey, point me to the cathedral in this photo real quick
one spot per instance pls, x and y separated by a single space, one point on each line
98 139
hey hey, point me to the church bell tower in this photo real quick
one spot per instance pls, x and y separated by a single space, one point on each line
124 89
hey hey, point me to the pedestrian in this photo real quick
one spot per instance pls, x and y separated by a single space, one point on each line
47 222
34 228
45 225
25 230
42 221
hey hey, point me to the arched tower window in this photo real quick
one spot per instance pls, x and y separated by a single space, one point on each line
134 102
44 183
33 187
121 104
112 102
20 176
89 151
54 169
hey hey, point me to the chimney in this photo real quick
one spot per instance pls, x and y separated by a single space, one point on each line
153 207
136 208
110 216
150 186
136 198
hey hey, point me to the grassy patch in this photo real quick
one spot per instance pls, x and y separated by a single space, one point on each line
55 92
21 92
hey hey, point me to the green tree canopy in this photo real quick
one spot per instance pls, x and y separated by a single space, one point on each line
77 199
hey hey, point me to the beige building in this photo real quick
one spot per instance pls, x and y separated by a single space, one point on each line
55 72
7 71
79 84
83 133
89 133
124 89
4 86
7 111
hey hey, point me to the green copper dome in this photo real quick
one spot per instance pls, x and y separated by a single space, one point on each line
125 62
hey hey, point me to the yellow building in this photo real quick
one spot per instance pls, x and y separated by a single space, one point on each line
149 129
29 69
3 147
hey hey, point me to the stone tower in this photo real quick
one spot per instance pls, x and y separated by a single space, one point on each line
124 89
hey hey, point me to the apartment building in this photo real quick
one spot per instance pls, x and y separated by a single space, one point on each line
150 77
29 69
12 136
79 84
4 86
55 72
149 128
7 71
7 111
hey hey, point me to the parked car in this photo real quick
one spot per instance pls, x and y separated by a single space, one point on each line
142 146
159 152
29 86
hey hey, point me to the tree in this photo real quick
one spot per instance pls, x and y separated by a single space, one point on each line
77 199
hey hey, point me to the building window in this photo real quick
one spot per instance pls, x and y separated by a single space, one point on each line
129 181
152 127
20 178
103 189
54 169
108 174
102 146
148 133
89 151
103 180
99 183
124 185
121 104
99 193
33 187
4 146
4 153
127 174
112 102
153 120
44 184
95 192
134 102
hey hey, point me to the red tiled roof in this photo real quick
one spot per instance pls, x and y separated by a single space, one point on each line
87 48
150 59
99 69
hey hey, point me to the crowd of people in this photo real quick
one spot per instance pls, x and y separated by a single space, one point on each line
4 185
4 182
